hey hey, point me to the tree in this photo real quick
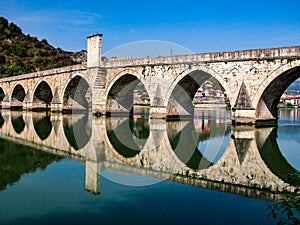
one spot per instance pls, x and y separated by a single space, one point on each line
14 29
2 59
3 24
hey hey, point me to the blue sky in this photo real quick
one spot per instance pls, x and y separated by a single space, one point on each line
201 26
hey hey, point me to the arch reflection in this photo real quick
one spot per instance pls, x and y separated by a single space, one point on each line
17 121
200 143
42 125
274 159
128 135
1 120
77 130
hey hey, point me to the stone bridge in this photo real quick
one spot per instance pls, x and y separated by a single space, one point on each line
253 80
166 151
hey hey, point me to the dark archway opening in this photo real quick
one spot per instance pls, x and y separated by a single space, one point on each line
18 97
196 89
127 96
271 97
42 97
2 94
77 96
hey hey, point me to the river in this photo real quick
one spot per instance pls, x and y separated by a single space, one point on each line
78 169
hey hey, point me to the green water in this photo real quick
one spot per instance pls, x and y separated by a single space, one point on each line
40 184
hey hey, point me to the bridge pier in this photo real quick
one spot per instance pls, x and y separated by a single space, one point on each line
158 112
248 116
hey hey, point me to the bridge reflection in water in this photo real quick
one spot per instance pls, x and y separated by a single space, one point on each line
207 152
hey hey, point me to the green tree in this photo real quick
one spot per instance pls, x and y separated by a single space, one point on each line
2 59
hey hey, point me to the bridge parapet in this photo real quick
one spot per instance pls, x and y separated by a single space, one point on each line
45 73
242 55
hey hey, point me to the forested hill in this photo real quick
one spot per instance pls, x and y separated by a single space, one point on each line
20 53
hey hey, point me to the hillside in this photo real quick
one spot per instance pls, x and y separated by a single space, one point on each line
20 53
294 88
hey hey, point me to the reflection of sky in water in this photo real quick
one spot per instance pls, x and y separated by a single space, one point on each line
289 144
129 179
213 148
56 195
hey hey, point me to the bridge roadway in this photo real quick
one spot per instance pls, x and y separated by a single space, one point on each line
253 80
244 168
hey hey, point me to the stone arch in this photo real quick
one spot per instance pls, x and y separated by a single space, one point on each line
18 95
120 92
77 94
184 87
270 90
42 95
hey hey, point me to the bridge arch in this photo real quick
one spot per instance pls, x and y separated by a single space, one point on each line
77 94
270 90
17 96
120 92
42 95
183 89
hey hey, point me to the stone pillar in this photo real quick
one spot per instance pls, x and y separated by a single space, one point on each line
5 104
243 111
56 104
158 110
27 102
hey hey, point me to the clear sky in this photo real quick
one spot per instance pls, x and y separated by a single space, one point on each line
201 26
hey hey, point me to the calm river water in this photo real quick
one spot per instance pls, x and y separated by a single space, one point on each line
74 169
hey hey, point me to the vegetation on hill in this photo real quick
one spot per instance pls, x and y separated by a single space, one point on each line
20 53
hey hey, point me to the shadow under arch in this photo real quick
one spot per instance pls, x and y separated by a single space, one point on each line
180 101
120 97
2 94
17 97
276 162
77 95
42 96
128 136
272 93
17 122
77 130
42 126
